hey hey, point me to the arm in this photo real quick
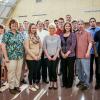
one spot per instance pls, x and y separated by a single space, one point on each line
45 49
58 49
5 52
73 45
26 45
90 40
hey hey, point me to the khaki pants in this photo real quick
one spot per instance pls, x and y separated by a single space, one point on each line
14 72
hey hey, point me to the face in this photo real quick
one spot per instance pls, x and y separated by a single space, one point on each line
68 18
52 30
33 29
92 23
14 26
46 23
40 25
60 23
56 23
81 26
1 31
21 28
67 28
75 25
26 24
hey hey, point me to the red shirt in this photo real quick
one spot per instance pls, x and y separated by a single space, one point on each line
59 31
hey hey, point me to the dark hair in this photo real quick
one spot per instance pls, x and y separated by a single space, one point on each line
70 27
61 18
38 22
2 27
55 20
46 20
29 29
12 21
91 19
74 21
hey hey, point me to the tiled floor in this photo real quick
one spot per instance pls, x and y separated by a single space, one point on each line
45 94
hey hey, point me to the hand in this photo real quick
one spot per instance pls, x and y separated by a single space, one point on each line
49 58
87 55
62 54
35 58
54 58
7 60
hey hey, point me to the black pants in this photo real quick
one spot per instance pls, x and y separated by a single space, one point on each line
67 71
33 70
97 68
52 70
0 74
42 69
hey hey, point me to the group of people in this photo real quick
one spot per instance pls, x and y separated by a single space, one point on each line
46 45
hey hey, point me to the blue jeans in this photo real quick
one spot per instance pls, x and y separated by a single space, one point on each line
83 69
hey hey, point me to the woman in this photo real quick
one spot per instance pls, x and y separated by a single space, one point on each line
13 50
33 55
52 48
68 43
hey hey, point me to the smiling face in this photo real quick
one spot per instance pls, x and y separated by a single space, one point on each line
81 25
33 29
52 29
67 27
14 26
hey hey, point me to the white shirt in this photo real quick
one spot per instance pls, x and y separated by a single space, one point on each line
42 34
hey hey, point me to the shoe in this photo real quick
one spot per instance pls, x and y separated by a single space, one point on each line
17 89
55 86
37 87
51 85
33 89
97 87
79 84
23 82
45 81
12 91
83 87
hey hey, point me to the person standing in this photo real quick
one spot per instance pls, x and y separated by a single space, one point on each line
13 50
52 45
33 56
83 47
93 29
97 39
2 30
68 44
43 66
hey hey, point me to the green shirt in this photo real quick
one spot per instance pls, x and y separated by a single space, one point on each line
14 45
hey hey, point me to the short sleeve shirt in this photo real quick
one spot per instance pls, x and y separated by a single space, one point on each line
14 45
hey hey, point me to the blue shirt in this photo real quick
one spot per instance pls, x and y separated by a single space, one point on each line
93 31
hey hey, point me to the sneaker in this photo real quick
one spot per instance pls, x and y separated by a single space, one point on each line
79 84
36 86
33 89
84 87
17 89
12 91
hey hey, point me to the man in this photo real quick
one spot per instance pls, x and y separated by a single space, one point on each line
46 23
83 47
74 26
60 26
93 29
68 18
43 65
97 39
